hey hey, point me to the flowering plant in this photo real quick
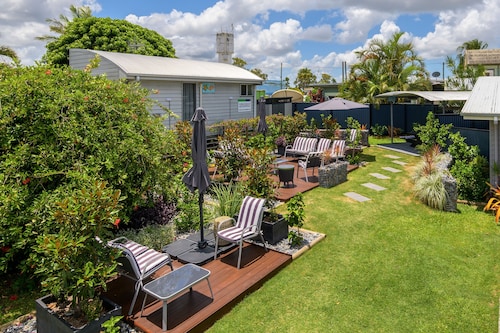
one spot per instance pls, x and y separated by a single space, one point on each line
280 141
72 262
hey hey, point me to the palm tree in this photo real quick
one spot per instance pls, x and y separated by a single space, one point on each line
385 66
7 51
58 26
464 77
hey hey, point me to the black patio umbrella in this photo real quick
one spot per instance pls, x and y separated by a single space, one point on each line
261 110
198 177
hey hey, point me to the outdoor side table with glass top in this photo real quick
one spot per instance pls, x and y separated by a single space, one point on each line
173 283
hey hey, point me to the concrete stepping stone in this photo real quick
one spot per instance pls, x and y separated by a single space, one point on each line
400 162
390 169
394 157
356 196
374 186
379 175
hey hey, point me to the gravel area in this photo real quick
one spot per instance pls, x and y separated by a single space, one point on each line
27 324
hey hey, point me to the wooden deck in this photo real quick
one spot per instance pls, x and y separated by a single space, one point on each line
195 311
299 180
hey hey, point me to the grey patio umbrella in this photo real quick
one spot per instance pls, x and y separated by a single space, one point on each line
336 103
261 110
198 177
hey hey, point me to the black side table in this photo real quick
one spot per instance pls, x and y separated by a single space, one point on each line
285 173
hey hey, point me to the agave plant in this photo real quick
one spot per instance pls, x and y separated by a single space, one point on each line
494 202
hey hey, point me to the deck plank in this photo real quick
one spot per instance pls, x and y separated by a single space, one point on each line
195 311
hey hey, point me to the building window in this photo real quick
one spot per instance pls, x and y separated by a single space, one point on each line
246 90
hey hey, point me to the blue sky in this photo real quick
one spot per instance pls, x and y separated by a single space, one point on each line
270 35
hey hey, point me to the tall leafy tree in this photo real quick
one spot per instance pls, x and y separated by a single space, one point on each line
107 34
259 72
239 62
385 66
464 77
58 26
326 78
304 78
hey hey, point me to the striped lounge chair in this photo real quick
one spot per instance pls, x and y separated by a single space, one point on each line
138 263
301 146
246 227
338 150
323 144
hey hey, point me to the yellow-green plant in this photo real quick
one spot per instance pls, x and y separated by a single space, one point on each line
494 202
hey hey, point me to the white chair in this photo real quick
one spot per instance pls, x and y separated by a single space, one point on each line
301 146
312 160
323 144
246 227
338 150
138 263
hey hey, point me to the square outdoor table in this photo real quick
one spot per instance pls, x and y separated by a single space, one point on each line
173 283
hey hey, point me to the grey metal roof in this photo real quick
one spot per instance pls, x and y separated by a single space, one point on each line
484 101
178 69
433 96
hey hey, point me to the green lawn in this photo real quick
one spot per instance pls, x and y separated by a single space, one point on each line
387 265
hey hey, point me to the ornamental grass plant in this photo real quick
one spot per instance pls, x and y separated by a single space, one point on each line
391 264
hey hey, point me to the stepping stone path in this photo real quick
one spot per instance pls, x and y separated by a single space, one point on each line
374 186
356 196
379 176
390 169
361 198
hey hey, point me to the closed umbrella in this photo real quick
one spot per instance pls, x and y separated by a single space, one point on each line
261 110
198 177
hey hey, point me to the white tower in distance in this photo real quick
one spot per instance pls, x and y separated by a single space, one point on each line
225 47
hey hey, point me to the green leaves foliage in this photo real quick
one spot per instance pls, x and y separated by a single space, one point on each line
107 34
61 130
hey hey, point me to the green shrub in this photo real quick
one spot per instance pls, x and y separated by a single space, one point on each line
432 133
71 260
61 129
428 178
229 198
154 236
469 169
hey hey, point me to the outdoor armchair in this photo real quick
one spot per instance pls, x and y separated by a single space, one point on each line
312 160
246 227
337 151
138 263
323 144
301 146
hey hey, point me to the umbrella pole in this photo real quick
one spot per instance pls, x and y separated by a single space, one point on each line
202 243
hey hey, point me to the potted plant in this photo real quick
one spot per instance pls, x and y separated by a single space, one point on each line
258 184
295 218
281 144
73 263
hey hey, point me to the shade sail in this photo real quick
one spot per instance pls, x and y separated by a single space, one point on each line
335 104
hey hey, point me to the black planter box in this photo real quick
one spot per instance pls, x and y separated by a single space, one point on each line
48 322
275 231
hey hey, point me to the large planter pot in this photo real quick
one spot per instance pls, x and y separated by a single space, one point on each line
274 231
332 174
281 150
48 322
